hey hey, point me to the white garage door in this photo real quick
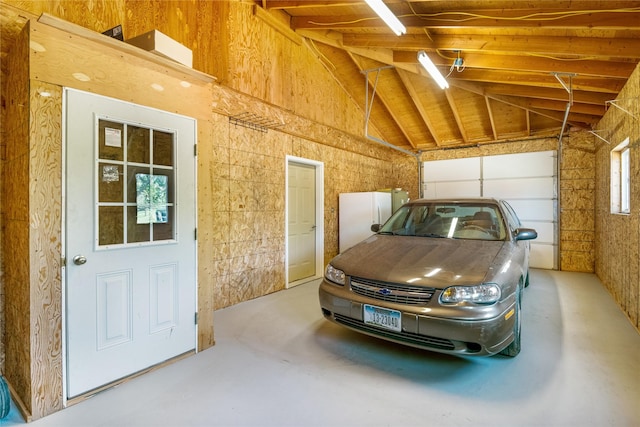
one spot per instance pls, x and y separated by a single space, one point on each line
528 181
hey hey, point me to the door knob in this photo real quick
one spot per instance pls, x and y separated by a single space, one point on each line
79 259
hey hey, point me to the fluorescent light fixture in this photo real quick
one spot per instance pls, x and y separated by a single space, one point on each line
428 65
387 16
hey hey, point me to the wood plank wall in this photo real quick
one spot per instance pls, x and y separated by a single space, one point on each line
617 250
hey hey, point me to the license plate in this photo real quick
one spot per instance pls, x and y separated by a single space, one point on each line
382 317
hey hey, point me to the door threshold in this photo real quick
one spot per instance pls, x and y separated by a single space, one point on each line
89 394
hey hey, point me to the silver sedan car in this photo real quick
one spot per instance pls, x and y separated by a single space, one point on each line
443 275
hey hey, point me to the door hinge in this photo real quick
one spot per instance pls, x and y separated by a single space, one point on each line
195 234
195 318
195 149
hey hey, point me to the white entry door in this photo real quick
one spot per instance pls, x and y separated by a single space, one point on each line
302 221
130 243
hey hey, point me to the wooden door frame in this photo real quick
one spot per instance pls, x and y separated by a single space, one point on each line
319 183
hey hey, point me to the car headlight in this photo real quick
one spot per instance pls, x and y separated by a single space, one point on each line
486 293
334 275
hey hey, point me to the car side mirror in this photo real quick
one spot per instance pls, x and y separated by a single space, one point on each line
526 234
375 227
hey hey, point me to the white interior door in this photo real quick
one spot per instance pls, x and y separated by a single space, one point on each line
302 221
130 239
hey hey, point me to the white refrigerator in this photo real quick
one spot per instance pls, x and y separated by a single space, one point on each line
357 212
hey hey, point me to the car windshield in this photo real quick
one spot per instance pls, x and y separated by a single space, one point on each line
475 221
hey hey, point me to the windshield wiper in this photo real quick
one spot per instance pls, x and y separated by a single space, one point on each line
431 235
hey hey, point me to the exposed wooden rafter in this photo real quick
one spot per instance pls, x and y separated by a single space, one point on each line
510 51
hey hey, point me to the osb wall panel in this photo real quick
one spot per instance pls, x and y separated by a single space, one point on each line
479 150
112 73
99 15
618 236
15 215
45 248
577 203
246 223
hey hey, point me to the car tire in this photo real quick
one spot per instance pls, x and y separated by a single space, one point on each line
526 280
513 349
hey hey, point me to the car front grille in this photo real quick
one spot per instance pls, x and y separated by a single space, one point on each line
392 292
405 337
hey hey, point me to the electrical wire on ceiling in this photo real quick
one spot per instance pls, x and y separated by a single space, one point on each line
539 16
322 57
439 16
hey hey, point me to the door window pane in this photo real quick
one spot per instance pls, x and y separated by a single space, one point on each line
138 144
162 148
164 230
110 137
110 183
151 198
135 190
110 225
136 232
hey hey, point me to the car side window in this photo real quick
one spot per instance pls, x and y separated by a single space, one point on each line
512 218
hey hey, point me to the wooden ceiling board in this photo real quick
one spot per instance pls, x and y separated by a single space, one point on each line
541 125
474 115
512 120
434 102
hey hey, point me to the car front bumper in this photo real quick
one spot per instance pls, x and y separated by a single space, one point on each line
483 337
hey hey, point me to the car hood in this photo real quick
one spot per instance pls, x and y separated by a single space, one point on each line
434 262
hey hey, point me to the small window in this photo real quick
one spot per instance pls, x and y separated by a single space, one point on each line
621 179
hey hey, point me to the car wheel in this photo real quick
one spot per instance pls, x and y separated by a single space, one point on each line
513 349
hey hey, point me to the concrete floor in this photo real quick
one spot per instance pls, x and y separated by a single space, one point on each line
277 362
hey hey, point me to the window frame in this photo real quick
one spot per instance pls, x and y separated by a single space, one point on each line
621 179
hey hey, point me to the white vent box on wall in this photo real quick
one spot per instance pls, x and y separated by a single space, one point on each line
163 45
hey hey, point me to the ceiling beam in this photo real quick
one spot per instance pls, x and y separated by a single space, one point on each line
528 62
481 18
512 100
593 84
415 97
555 94
492 120
551 46
456 115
